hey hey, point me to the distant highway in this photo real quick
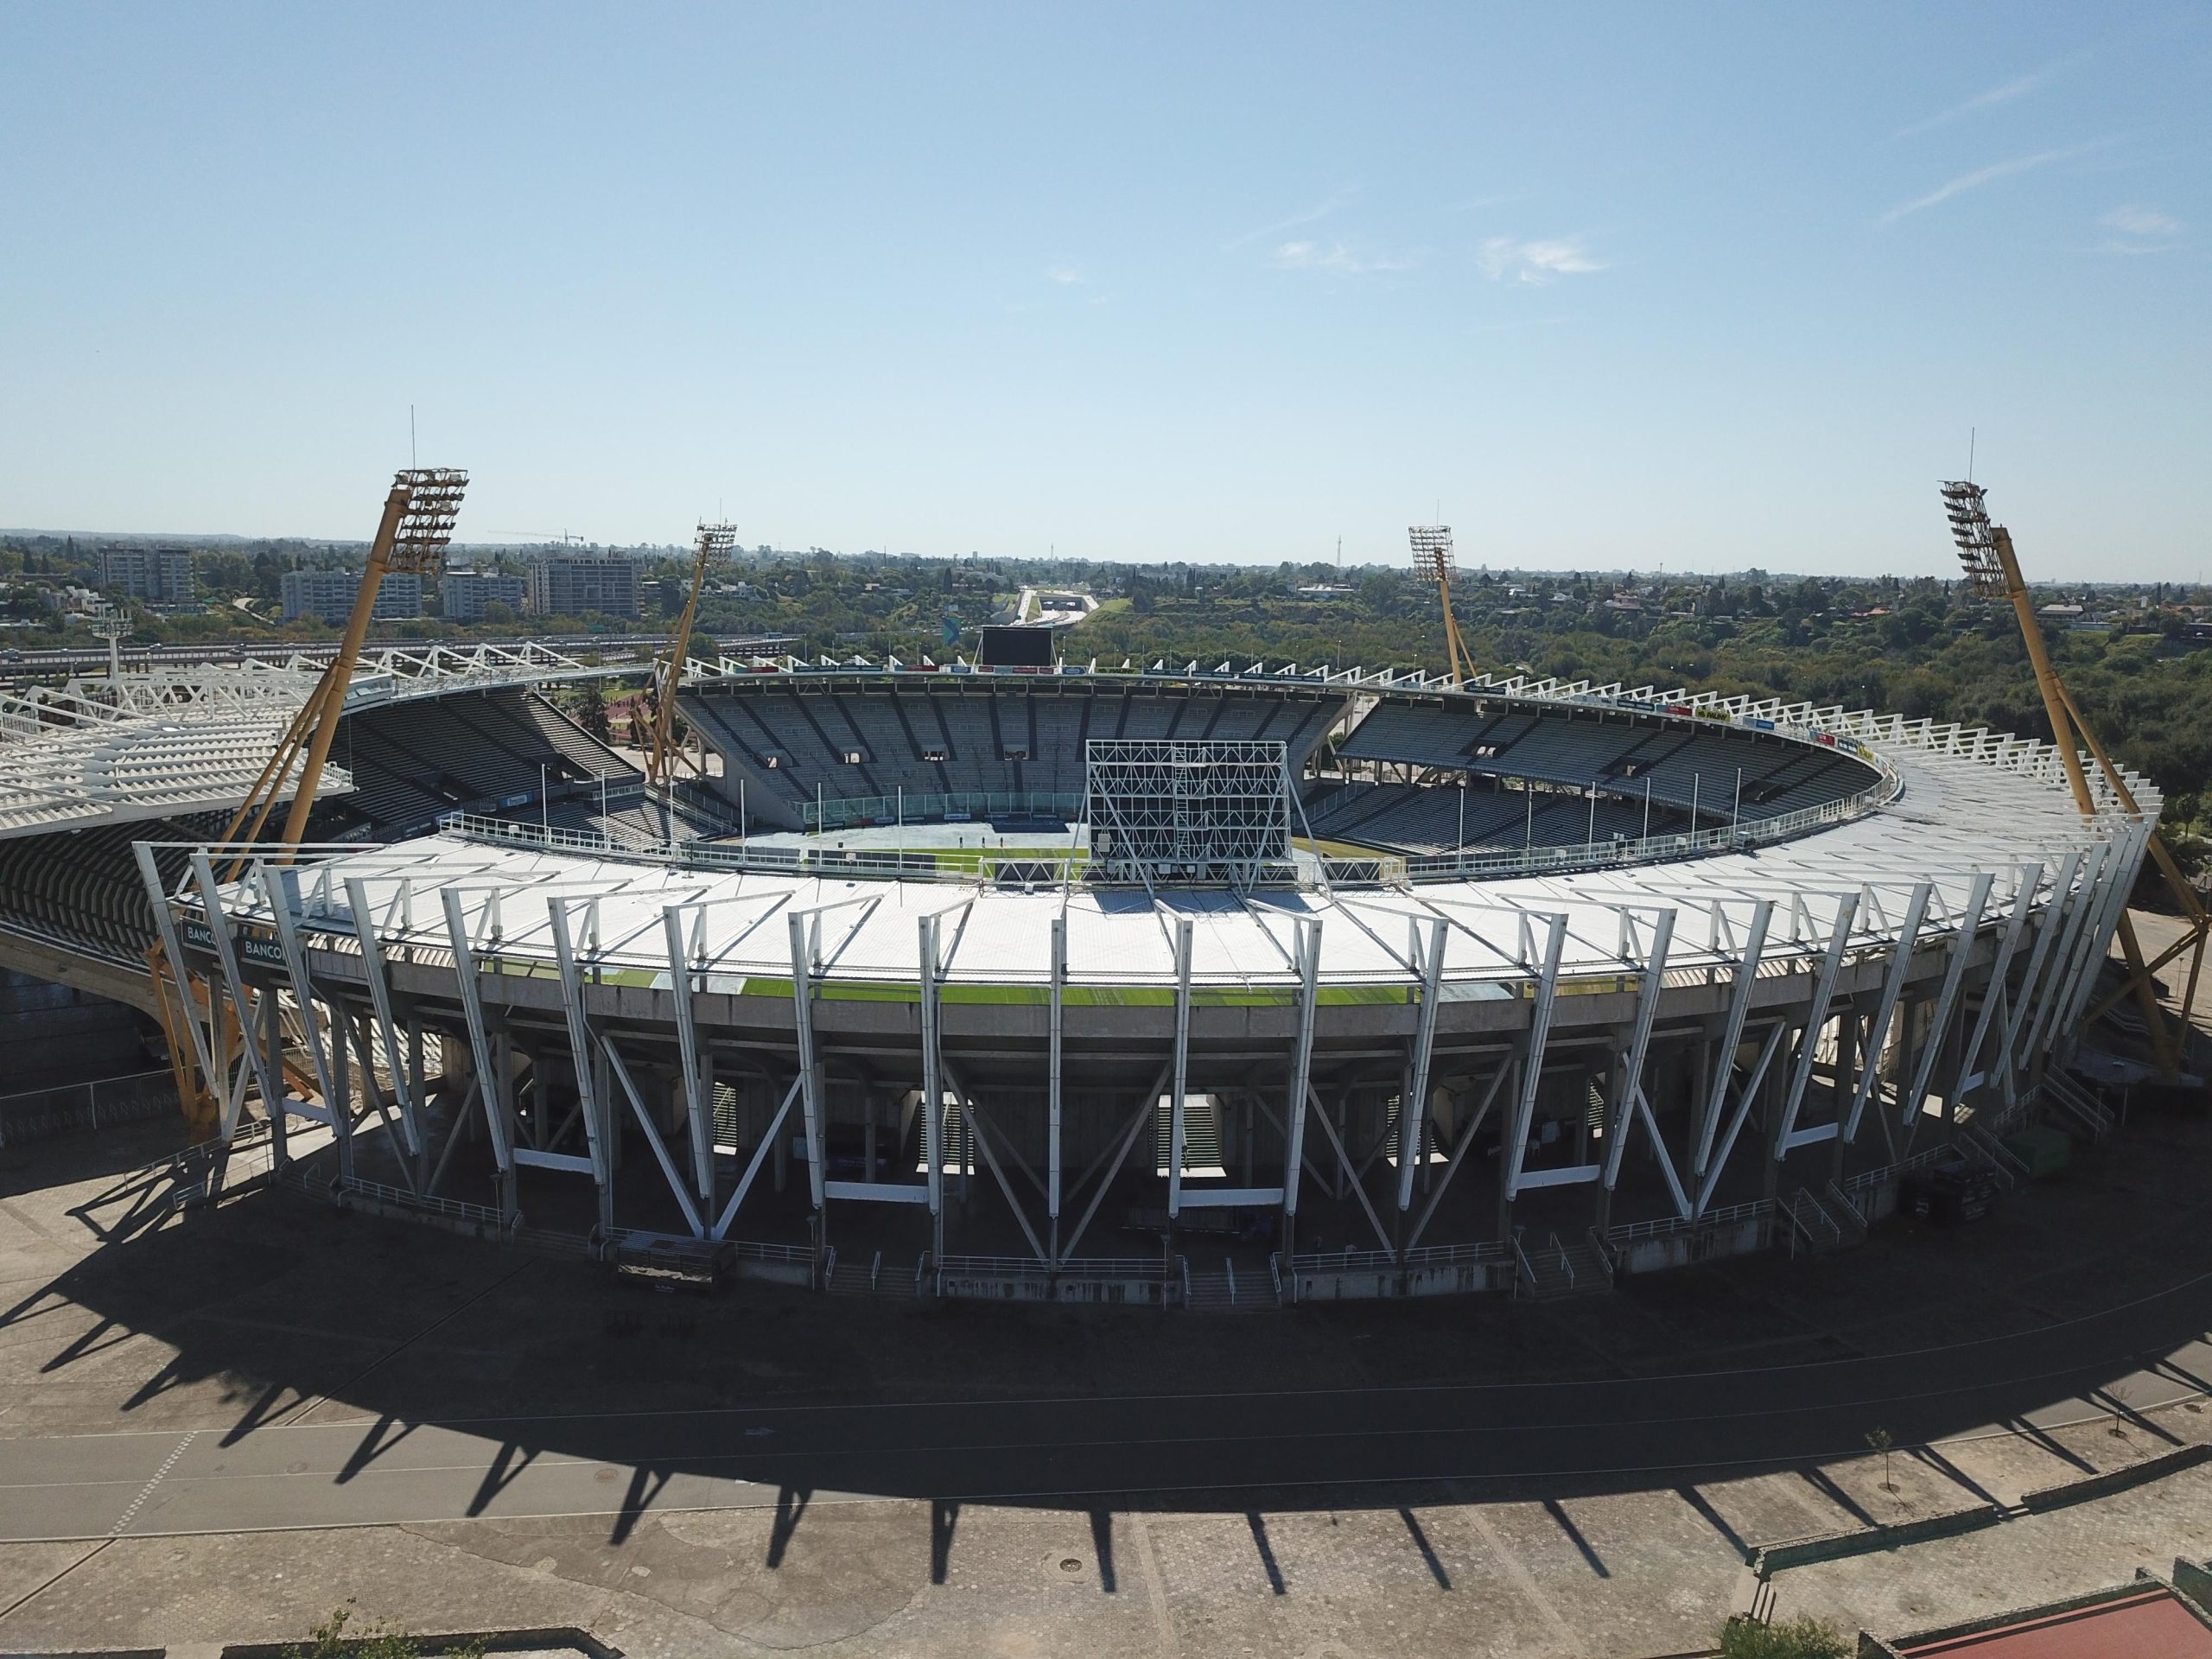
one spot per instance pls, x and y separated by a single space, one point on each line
24 665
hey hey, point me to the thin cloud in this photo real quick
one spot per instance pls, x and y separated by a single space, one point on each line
1065 276
1536 263
1990 175
2138 229
2133 221
1980 101
1313 215
1335 257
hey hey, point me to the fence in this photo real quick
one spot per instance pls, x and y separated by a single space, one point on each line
133 1097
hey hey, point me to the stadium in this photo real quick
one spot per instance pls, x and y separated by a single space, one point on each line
1220 986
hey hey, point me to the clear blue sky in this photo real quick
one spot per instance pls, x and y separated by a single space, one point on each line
1702 286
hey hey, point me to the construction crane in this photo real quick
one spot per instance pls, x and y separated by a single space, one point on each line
1432 546
411 537
715 541
1992 571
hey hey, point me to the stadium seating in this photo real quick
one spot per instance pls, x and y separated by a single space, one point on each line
81 889
966 738
1677 767
412 761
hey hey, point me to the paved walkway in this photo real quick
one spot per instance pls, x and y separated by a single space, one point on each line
215 1427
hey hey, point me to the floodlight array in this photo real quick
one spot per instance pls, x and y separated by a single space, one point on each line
432 502
1432 546
717 541
1976 537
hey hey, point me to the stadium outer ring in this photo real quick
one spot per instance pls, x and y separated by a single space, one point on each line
1780 1034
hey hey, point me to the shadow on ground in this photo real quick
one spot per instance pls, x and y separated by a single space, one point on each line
274 1310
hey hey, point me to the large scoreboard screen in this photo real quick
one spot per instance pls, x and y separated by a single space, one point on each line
1015 647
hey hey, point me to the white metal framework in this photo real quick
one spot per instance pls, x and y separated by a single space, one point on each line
176 739
1165 811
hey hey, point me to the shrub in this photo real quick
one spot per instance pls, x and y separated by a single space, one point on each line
328 1640
1804 1637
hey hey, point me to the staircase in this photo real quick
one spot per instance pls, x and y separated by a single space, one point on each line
1987 1149
2079 1109
1845 1213
1551 1270
873 1277
1813 1231
1226 1291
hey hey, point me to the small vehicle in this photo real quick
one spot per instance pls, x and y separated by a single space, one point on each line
1950 1192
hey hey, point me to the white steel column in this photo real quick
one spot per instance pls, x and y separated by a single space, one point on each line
1739 1005
2065 957
1939 1015
1053 1101
491 1085
2129 862
643 1115
598 1109
1413 1108
698 1093
172 948
809 1062
1631 1101
1993 995
2047 933
1182 1067
1532 1071
932 1088
373 970
1301 1061
226 953
282 888
1816 1017
1870 1053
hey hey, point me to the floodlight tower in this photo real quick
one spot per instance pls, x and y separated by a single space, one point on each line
1992 571
1432 546
715 542
411 537
112 625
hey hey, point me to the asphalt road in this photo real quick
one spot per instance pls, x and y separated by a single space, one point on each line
1199 1450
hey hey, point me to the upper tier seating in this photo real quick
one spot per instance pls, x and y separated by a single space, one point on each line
412 761
788 741
81 889
1679 765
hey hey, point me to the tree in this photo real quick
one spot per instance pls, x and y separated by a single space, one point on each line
591 711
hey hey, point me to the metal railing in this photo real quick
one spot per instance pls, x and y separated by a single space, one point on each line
1605 1256
1867 1179
1851 1216
857 811
1524 1271
33 1114
1727 1216
482 1216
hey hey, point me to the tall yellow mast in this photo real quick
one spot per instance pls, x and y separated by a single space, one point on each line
1432 546
411 536
1986 552
715 541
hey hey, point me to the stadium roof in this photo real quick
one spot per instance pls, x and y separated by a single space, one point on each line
1961 813
178 740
